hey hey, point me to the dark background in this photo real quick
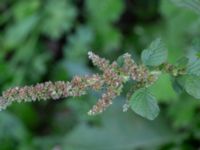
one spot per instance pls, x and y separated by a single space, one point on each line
49 40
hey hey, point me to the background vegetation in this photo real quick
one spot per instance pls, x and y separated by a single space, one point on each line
49 40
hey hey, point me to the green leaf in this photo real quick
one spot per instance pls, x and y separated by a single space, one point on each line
108 11
191 84
176 86
101 19
182 62
185 115
194 67
24 9
194 5
59 17
79 43
17 33
12 131
155 54
144 103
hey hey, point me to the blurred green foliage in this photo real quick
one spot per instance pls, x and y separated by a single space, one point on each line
49 40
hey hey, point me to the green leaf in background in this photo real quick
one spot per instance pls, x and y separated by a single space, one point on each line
191 84
23 9
191 4
127 131
58 18
79 43
17 33
107 12
155 54
144 103
101 21
176 28
108 37
185 116
12 132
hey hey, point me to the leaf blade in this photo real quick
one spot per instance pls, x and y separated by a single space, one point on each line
144 103
155 54
193 68
191 84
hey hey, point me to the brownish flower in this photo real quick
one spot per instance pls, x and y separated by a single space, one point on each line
113 78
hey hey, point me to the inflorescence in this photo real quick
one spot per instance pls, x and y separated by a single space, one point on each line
113 77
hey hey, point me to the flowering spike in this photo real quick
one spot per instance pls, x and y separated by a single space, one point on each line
104 102
113 77
101 63
4 103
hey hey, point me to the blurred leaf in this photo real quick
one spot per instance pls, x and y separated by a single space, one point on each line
191 4
26 113
19 76
5 74
25 52
101 21
108 11
108 38
58 18
23 9
17 33
144 103
175 32
39 66
155 54
191 84
123 132
11 131
79 43
185 116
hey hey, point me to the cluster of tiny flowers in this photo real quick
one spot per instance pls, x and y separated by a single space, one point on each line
113 77
137 73
101 63
50 90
